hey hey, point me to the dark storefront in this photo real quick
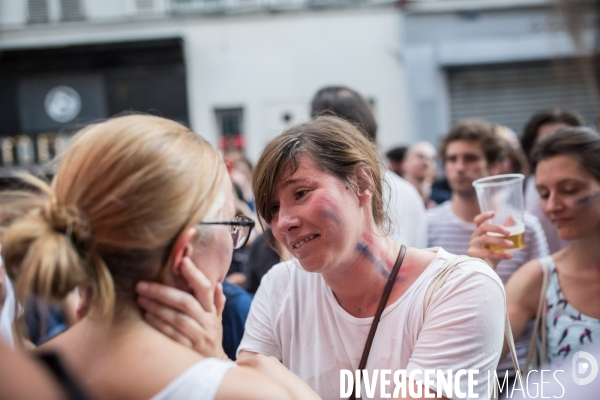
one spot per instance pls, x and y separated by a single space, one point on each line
47 94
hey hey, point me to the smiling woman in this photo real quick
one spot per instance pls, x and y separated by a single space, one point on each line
319 187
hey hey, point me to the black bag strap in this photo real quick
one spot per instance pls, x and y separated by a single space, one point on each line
384 298
73 390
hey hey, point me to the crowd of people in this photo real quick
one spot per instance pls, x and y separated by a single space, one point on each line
151 261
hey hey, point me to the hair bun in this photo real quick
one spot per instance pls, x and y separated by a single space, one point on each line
69 220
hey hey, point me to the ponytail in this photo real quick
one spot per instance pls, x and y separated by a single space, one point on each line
123 192
50 250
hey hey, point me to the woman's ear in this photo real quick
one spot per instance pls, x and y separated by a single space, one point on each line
364 184
182 248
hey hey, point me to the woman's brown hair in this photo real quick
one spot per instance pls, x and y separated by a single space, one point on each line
334 145
581 143
125 189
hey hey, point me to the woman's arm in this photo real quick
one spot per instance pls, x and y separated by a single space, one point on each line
274 369
522 298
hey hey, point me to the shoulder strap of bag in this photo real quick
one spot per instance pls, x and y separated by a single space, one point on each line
539 328
440 278
384 298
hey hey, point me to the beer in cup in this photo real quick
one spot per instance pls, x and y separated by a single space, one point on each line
503 194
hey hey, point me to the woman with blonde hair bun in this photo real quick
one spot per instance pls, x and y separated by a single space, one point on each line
135 198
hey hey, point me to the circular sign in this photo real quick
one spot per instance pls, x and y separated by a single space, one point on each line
63 104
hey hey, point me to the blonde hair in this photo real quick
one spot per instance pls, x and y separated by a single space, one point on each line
334 145
124 191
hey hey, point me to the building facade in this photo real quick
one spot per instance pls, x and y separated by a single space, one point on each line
239 71
242 69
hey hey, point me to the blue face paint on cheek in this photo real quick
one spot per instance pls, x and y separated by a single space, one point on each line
329 211
584 201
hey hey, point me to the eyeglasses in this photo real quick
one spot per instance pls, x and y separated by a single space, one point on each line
240 229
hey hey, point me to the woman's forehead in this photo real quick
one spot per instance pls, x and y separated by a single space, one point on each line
303 169
561 168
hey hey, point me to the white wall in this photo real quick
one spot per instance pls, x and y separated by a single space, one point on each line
275 65
267 63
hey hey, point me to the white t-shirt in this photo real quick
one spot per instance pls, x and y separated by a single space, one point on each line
200 381
453 234
406 211
296 318
7 313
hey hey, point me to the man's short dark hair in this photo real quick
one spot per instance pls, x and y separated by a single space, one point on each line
474 130
345 103
397 154
550 116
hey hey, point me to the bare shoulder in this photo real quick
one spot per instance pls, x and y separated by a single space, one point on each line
528 276
415 262
419 258
243 383
523 289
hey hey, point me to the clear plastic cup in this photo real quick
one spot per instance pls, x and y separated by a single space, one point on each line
503 194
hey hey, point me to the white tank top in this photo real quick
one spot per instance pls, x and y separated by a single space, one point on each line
200 381
7 313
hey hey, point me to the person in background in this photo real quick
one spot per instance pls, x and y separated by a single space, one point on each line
45 321
420 169
240 172
470 151
540 125
235 313
395 157
403 202
264 253
567 172
513 160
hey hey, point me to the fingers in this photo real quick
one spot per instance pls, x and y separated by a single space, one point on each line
201 286
485 244
488 254
499 243
191 327
484 229
219 299
488 237
484 216
167 329
169 297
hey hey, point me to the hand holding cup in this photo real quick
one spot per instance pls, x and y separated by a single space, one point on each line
489 236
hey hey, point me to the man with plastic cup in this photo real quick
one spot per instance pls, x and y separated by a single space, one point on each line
471 151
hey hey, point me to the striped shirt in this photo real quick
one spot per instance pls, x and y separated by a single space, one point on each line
453 234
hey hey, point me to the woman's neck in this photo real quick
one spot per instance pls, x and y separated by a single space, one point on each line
358 285
584 253
102 331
